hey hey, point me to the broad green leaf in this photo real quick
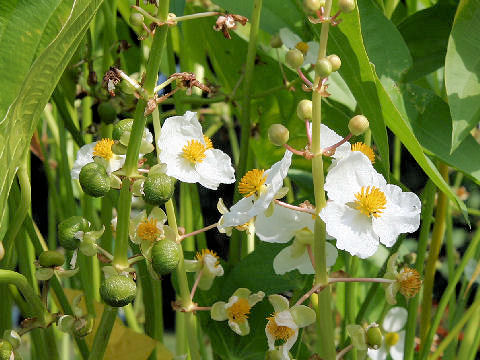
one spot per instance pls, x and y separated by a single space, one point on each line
426 34
462 70
22 111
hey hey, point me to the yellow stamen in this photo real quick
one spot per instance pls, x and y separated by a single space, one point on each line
252 182
208 142
370 201
201 255
103 148
303 47
279 332
391 338
410 282
239 311
194 151
148 230
365 149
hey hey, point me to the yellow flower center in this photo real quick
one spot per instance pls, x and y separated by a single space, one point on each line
410 282
252 182
391 338
303 47
194 151
365 149
370 201
208 142
239 311
148 230
279 332
103 148
201 255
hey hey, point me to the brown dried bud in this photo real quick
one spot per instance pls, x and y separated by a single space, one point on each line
409 281
150 107
110 80
228 22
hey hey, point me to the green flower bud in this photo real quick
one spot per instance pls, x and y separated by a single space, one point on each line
312 5
66 323
346 5
374 337
51 258
107 112
120 127
67 230
304 110
165 256
323 67
6 350
294 58
118 290
335 61
136 19
278 134
276 41
358 125
94 180
158 189
83 326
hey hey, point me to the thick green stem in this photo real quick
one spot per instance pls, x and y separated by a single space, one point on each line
325 330
430 269
103 333
121 241
471 332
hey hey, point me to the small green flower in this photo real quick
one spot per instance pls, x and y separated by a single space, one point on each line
50 263
407 281
206 262
237 310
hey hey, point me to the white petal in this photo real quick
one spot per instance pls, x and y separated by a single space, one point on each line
352 229
285 348
284 318
328 137
239 213
285 262
397 350
147 135
332 254
270 338
215 169
380 354
289 39
181 169
115 163
312 53
84 156
282 225
211 264
395 319
402 215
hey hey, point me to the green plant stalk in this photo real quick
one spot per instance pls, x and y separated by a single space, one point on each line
325 331
187 216
69 200
435 245
476 341
131 318
449 291
106 240
453 333
198 216
469 336
397 153
428 200
351 298
120 255
103 333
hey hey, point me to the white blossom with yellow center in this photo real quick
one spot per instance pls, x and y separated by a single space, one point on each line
102 150
293 41
364 210
393 335
283 225
259 189
207 263
189 155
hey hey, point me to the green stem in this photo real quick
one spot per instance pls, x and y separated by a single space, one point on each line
428 201
470 333
430 269
103 333
120 256
397 160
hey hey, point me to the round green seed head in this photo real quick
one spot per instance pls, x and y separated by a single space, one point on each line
83 326
51 258
158 189
323 67
312 5
346 5
304 110
165 256
358 125
276 41
294 58
107 112
335 61
118 290
94 180
120 127
67 230
136 19
5 350
374 337
278 134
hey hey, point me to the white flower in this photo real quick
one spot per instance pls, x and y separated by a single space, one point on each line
248 226
394 337
259 188
283 225
363 209
207 263
189 156
293 41
103 151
